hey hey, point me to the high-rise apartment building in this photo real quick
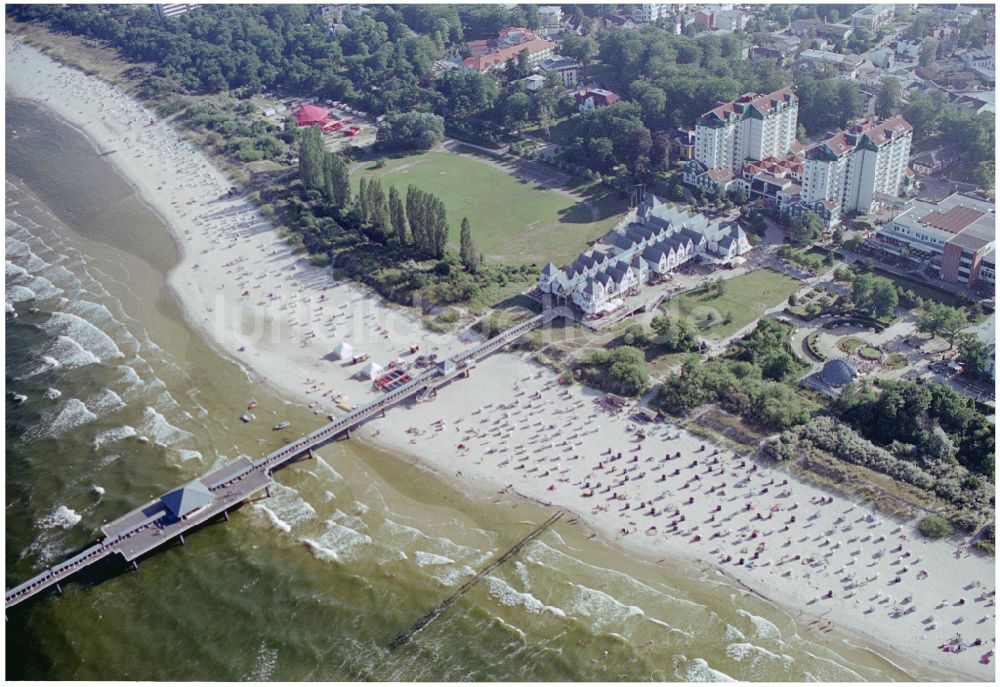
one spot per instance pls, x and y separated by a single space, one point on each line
753 127
649 12
848 172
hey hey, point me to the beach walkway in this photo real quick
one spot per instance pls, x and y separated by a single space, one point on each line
199 501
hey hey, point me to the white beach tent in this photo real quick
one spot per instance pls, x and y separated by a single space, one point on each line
343 351
371 370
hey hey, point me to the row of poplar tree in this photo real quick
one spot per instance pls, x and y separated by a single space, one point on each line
420 221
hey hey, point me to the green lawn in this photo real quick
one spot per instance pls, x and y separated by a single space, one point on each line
745 299
511 220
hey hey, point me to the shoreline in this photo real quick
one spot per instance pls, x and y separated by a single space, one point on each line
206 298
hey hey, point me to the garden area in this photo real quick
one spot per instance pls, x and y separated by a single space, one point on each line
511 220
817 301
720 311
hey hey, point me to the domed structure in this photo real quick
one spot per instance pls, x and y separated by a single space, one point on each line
838 372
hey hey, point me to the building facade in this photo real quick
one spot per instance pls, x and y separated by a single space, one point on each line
751 128
873 17
649 12
566 69
551 16
644 248
493 54
595 97
954 239
857 167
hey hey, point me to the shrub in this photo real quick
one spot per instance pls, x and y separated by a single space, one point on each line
934 527
966 520
448 316
320 259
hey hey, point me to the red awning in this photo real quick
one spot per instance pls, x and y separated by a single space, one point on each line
308 115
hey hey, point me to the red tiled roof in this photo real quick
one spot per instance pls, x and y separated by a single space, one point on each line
763 103
604 99
887 130
483 62
723 174
953 221
828 204
775 165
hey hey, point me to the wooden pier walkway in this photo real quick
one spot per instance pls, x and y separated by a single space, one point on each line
190 505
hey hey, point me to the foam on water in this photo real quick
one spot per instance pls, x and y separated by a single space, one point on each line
828 670
753 655
156 427
451 576
267 659
166 401
328 469
70 415
68 353
442 546
506 595
600 607
272 517
62 517
97 489
732 634
109 436
510 628
540 553
85 334
522 574
337 543
105 401
52 393
18 294
43 288
128 376
763 628
424 559
699 671
99 314
287 504
187 454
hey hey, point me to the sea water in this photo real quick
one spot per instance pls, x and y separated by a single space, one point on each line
314 582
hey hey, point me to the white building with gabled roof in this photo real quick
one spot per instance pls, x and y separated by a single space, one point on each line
643 248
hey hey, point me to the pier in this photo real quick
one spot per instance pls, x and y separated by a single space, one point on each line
214 494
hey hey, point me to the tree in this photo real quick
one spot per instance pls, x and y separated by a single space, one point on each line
337 184
884 297
311 158
860 40
985 174
467 250
887 103
807 228
675 334
397 216
862 291
974 354
580 48
532 18
361 201
928 52
942 320
410 130
378 212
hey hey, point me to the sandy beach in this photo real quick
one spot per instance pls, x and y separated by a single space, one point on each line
653 488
